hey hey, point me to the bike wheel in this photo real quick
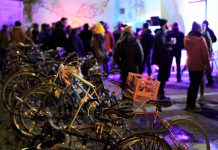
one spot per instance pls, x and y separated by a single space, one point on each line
17 84
26 116
187 134
144 142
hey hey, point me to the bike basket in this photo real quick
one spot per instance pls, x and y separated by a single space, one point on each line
143 87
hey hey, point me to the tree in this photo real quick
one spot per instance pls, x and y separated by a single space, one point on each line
28 8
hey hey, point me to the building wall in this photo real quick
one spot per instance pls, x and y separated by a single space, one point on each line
77 12
10 11
133 12
136 12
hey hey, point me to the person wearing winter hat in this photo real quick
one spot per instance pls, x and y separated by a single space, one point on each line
128 29
209 35
128 54
99 29
197 62
196 27
160 56
97 46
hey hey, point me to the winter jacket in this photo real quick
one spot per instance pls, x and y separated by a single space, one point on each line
74 43
161 47
147 42
212 35
86 36
179 36
109 41
97 47
197 52
4 40
18 35
129 54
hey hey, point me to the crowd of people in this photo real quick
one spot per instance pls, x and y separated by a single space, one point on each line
126 50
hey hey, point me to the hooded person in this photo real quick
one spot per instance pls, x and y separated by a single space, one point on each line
128 54
197 62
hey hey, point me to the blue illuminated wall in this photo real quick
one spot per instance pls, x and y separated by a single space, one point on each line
10 11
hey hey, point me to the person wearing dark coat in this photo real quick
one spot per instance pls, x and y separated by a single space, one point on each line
128 54
213 38
147 43
160 56
35 33
177 47
58 36
117 32
74 43
210 31
4 42
86 36
44 37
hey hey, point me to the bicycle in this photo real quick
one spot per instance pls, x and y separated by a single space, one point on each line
94 136
182 133
69 99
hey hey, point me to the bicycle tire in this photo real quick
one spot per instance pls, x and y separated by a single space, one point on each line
23 117
19 83
144 142
187 134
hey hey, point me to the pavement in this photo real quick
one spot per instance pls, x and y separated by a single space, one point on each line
207 117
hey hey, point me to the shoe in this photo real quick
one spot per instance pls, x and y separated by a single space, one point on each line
192 108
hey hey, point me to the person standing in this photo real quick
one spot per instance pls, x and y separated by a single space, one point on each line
18 35
147 43
4 41
177 38
74 43
59 35
128 54
206 35
86 35
109 45
118 31
197 63
45 37
97 45
208 32
35 33
160 56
